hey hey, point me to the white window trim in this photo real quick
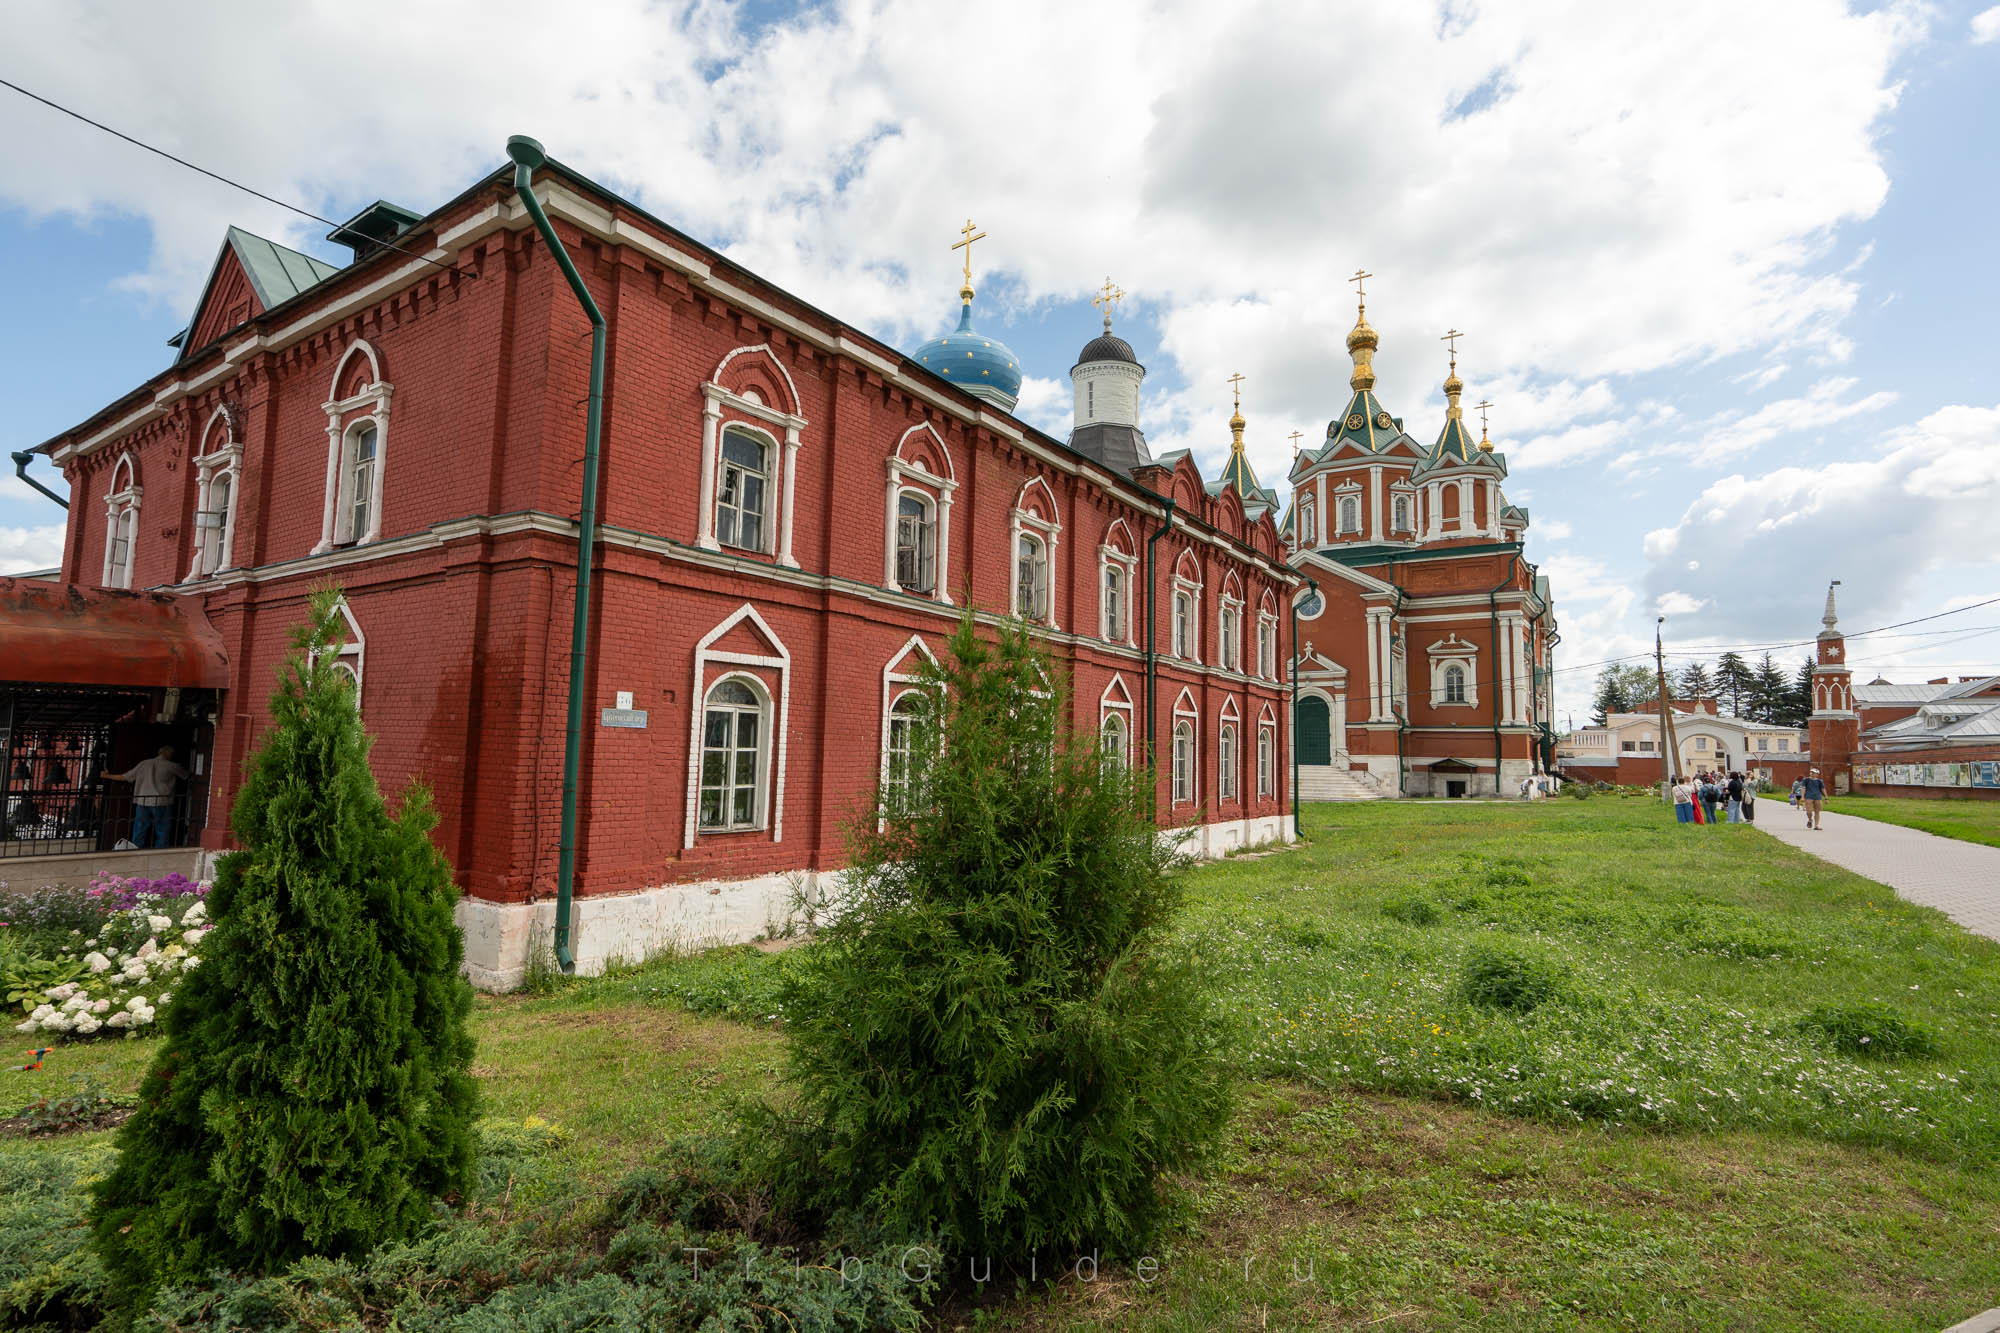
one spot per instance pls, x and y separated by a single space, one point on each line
121 510
1343 495
1406 495
223 461
916 480
768 541
715 401
899 677
1116 701
1049 530
760 790
1231 606
1449 652
1308 524
771 781
353 652
1185 714
1267 644
1267 735
340 421
1108 557
1193 588
1228 781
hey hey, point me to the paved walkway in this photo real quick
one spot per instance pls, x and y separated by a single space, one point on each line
1960 879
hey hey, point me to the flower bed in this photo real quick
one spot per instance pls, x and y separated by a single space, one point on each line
117 969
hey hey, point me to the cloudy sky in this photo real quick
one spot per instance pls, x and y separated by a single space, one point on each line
1725 269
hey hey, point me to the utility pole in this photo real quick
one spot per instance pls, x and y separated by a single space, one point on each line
1670 758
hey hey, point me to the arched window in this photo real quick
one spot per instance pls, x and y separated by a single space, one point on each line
1031 578
1225 763
916 543
217 520
1308 522
124 532
1114 601
1183 762
1267 645
357 487
344 669
1350 514
732 757
1184 624
1454 685
1401 512
1114 742
742 504
903 764
1267 761
121 523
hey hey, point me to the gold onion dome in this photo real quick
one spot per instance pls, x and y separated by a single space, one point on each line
1361 340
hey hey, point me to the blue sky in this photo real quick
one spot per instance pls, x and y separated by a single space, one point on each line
1733 301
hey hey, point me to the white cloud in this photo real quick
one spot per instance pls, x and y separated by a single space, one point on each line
1047 405
1986 26
23 549
1880 524
1554 529
1823 404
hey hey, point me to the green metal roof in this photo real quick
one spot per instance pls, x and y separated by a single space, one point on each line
1454 441
1365 422
1237 475
276 274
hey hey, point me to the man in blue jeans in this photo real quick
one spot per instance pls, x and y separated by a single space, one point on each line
1814 793
152 797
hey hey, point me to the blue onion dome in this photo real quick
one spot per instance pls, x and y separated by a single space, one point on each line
978 363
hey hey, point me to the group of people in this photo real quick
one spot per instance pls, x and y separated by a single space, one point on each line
1710 798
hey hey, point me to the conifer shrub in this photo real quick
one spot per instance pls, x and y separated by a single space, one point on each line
994 1045
312 1095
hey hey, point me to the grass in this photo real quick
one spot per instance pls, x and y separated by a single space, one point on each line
1691 1126
1968 820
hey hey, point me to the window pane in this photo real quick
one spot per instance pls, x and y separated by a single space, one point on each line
746 768
711 808
743 807
744 450
716 734
714 767
746 729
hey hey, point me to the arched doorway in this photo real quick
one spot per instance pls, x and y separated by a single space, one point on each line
1315 731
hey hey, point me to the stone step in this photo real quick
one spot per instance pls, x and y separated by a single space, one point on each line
1333 784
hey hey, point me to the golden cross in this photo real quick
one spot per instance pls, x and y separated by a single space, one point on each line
1452 337
1107 298
966 245
1297 435
1360 294
1236 387
1481 407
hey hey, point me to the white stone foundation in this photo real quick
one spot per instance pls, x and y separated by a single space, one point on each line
678 918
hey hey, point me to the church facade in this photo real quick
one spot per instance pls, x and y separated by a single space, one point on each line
792 517
1427 644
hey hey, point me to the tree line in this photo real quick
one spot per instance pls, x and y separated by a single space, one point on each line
1763 692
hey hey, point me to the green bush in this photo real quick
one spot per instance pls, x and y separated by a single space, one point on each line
1500 976
49 1275
994 1041
1412 911
312 1093
1870 1031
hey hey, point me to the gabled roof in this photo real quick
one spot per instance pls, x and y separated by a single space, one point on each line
276 274
1365 424
1239 476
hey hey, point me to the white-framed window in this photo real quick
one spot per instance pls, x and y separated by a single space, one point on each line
1229 627
1225 763
1399 514
743 493
1115 741
1701 743
1454 684
1267 760
916 542
734 738
1763 742
357 440
1453 662
350 655
1114 601
1350 515
904 750
1183 762
1784 745
1031 577
1184 611
1308 522
121 522
216 475
1267 645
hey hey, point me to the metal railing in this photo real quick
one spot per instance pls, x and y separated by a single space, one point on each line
65 821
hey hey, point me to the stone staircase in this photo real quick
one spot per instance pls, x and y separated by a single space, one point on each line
1318 783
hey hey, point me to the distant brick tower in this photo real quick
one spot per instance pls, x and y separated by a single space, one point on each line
1834 730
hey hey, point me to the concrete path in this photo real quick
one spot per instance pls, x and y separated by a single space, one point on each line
1960 879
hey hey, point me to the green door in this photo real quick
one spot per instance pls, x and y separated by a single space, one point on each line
1315 735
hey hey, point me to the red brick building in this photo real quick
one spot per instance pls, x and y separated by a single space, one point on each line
1427 672
791 515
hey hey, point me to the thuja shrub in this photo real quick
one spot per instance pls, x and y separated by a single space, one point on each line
993 1043
312 1093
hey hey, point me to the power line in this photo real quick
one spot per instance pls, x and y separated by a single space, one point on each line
217 176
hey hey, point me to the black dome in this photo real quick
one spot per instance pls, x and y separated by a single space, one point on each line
1107 347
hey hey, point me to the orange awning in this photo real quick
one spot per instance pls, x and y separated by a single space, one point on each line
60 634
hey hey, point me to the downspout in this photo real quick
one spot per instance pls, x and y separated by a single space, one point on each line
1298 823
1152 640
1493 607
527 155
21 461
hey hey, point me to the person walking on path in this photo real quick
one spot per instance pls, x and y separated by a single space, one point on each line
152 797
1735 798
1798 791
1813 794
1749 801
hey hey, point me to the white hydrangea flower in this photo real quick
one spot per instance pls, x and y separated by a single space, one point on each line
136 1003
194 937
121 1019
149 948
42 1011
86 1024
160 923
195 915
27 1025
99 1006
97 962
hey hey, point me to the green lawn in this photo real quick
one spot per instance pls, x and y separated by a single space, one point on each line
1660 1143
1966 820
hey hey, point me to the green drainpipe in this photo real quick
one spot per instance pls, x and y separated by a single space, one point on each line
1298 820
527 155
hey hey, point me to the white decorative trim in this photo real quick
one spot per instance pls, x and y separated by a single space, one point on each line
337 506
121 513
895 684
938 491
223 461
781 662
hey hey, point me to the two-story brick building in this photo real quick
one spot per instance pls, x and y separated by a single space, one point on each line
791 516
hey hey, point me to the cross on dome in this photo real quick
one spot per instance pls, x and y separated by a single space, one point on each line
1106 299
971 234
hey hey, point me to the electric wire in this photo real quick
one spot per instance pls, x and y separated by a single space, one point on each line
217 176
